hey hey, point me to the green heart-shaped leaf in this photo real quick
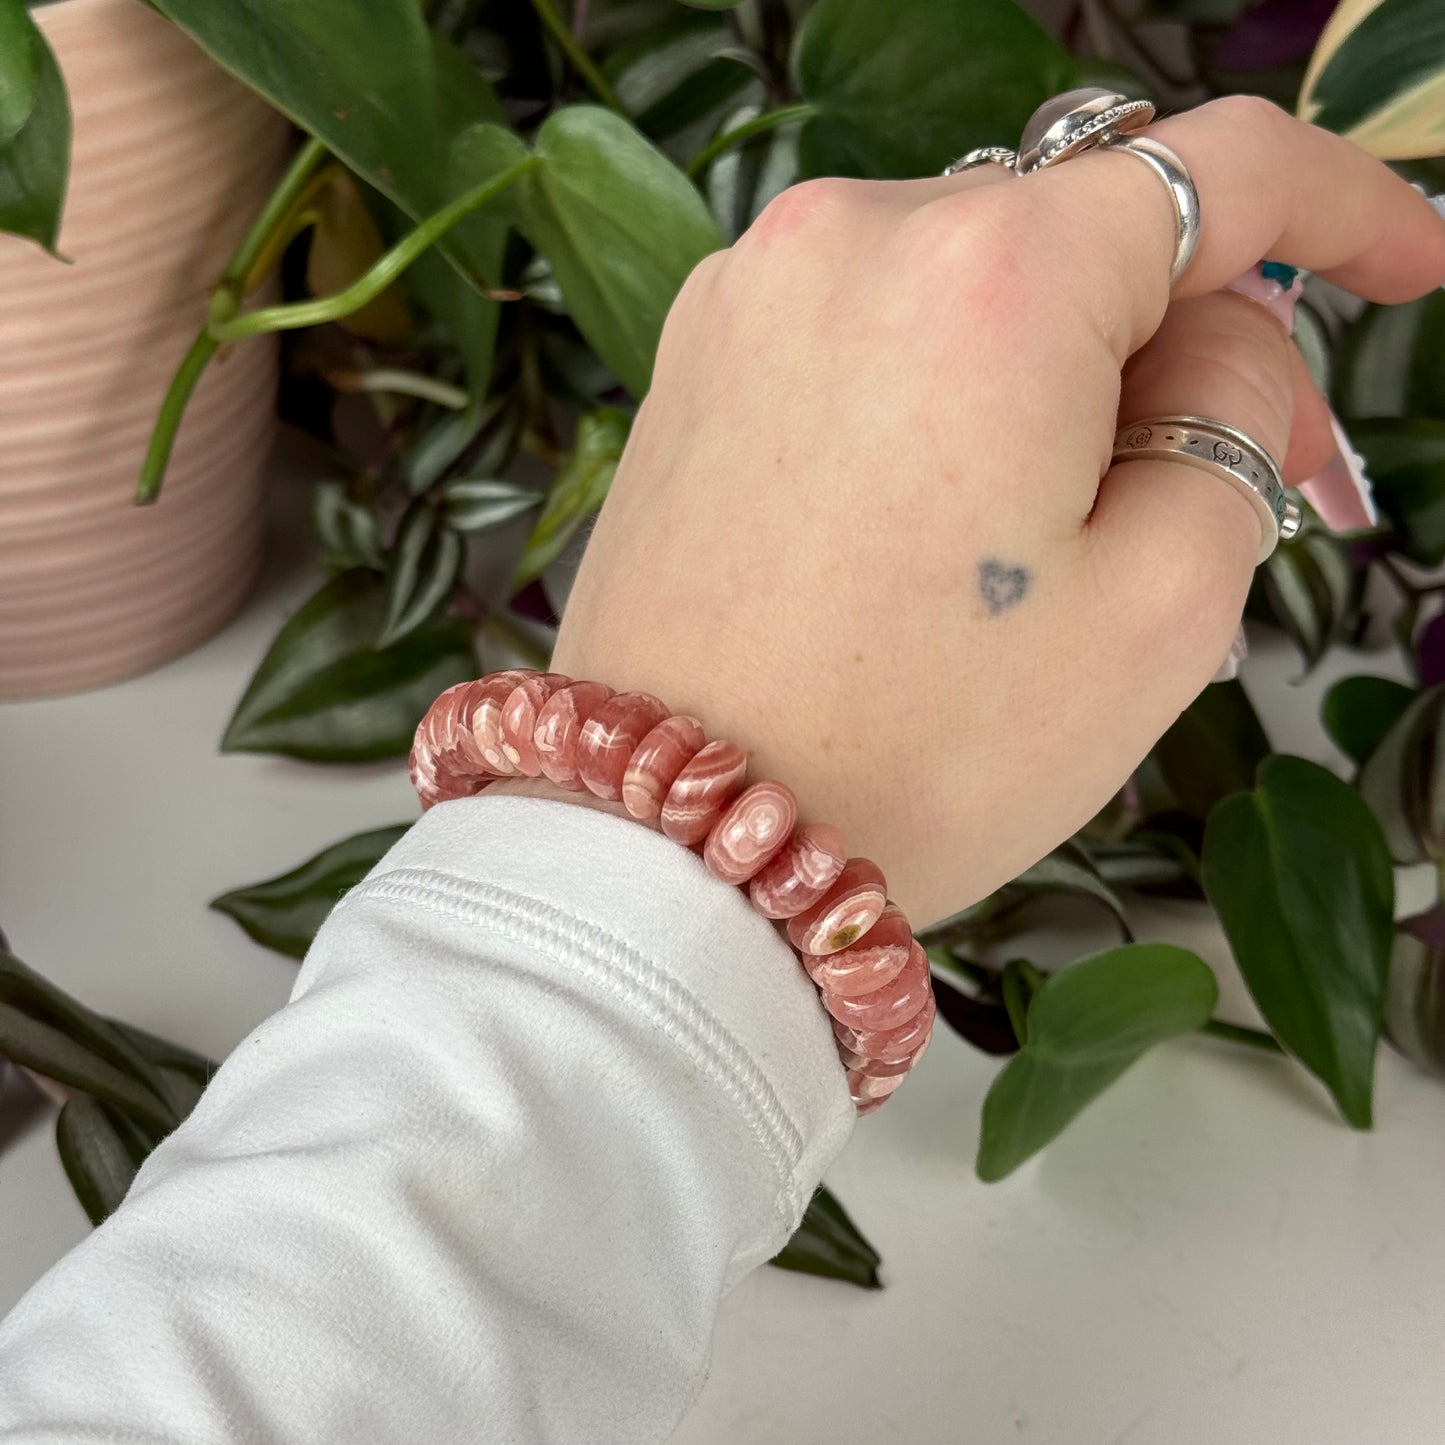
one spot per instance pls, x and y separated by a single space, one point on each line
903 89
621 227
20 43
35 160
284 913
1358 712
364 83
326 693
1300 876
1086 1025
829 1244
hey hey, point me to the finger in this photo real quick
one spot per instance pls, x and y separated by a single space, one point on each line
1269 186
1311 438
1219 356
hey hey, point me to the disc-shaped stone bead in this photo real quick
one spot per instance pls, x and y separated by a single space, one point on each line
893 1004
864 1065
559 730
451 729
659 758
801 874
844 913
872 1106
864 1088
889 1045
610 737
519 720
754 826
702 790
874 960
486 721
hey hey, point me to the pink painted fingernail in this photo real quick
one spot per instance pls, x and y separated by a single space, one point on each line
1275 286
1341 492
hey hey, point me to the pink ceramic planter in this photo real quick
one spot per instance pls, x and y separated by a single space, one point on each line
171 161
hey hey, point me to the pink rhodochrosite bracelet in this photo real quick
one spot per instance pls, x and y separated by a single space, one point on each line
858 949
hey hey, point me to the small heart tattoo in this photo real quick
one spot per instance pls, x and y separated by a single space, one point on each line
1000 586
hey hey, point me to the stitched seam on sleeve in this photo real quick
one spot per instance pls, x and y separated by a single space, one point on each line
647 988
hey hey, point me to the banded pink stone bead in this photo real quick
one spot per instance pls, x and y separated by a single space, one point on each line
872 1106
893 1004
874 960
801 874
519 720
866 1065
703 788
756 824
844 913
889 1045
610 737
659 758
559 730
864 1088
486 720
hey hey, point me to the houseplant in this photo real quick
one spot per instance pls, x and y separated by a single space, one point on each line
533 186
168 158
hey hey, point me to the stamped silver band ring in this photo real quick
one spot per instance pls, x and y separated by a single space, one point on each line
1225 452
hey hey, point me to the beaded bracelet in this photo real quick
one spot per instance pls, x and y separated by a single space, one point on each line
857 947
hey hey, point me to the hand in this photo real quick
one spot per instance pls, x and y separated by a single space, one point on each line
866 525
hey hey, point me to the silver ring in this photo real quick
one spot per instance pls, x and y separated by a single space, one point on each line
983 156
1090 118
1225 452
1076 120
1175 175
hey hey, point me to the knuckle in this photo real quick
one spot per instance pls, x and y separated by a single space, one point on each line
973 231
807 206
1246 112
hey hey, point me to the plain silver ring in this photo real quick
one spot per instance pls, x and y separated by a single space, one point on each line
1175 175
1224 452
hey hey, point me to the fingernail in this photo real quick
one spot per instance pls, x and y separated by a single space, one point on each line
1275 286
1238 651
1341 492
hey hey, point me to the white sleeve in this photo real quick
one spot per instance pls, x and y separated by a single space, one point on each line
544 1092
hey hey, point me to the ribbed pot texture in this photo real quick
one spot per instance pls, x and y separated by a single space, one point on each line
172 159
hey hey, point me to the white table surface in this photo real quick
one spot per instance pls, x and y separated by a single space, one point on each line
1207 1257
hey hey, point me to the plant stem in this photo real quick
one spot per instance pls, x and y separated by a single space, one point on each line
168 419
1239 1034
237 276
768 120
581 62
373 282
394 380
235 280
